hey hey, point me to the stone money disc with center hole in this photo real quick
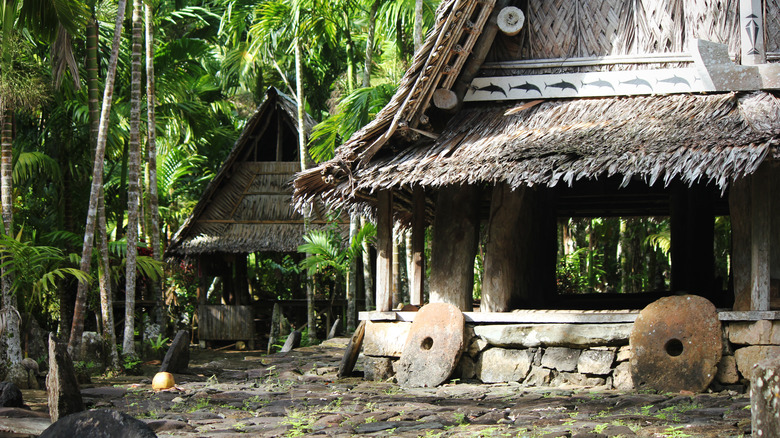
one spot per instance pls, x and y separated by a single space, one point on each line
676 344
433 347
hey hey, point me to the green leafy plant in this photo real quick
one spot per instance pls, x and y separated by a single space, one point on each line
158 343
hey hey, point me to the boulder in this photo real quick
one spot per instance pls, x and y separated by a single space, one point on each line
748 356
177 359
503 365
561 359
61 383
538 376
10 395
99 423
761 332
377 368
596 362
727 371
621 377
385 338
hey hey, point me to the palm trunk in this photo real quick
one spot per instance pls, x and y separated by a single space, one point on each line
106 297
368 279
418 22
352 277
133 192
370 44
151 148
310 316
13 341
97 184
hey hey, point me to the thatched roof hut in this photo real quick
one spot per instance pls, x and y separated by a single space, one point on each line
412 142
646 92
247 206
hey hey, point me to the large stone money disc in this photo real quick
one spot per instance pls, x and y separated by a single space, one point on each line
433 347
676 344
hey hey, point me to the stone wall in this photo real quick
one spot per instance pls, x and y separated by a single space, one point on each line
561 355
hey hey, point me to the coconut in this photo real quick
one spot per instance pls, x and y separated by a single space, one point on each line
162 381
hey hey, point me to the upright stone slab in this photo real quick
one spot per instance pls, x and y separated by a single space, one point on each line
765 398
61 383
177 359
434 346
292 342
676 343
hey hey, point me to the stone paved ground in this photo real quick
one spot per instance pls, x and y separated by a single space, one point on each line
240 394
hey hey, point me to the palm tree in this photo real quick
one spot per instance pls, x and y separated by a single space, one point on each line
153 212
133 190
97 183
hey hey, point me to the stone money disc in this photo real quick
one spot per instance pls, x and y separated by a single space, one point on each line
676 344
433 347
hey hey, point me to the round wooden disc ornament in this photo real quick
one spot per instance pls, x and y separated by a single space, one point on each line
510 20
433 347
676 344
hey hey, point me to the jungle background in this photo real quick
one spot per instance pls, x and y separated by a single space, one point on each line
117 114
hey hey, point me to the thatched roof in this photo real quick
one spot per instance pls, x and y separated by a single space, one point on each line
710 138
247 206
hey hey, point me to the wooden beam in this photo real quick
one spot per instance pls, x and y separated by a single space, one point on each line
384 246
760 234
417 265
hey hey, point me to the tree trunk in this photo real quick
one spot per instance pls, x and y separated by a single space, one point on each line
106 295
310 315
418 23
370 44
151 148
97 184
14 344
352 277
133 191
368 279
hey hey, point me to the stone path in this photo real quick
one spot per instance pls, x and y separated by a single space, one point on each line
239 394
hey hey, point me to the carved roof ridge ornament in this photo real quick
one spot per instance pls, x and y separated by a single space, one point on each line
713 71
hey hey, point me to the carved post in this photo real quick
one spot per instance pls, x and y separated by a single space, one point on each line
384 247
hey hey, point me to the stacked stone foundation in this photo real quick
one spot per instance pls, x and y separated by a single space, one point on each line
565 355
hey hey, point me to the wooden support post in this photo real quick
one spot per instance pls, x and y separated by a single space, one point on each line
739 212
241 285
455 238
418 247
502 251
203 287
384 246
761 202
537 233
693 233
